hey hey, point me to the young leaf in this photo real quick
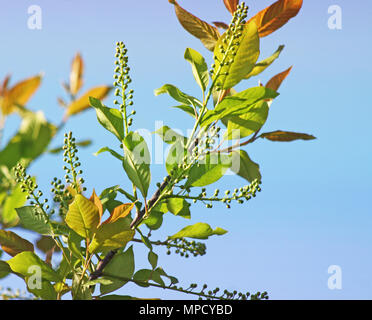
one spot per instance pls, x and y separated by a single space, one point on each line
76 74
200 29
247 53
275 82
243 166
245 124
231 5
199 67
262 65
97 202
111 119
198 230
286 136
120 211
32 219
179 207
122 265
188 109
208 170
276 15
82 103
19 94
83 216
111 236
25 262
13 244
137 161
177 95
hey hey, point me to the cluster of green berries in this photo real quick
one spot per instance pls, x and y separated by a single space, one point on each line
121 81
62 196
184 247
34 195
231 41
72 163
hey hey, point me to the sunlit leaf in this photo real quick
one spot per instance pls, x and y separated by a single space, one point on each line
76 74
82 103
25 262
247 53
208 170
179 207
177 95
170 136
120 211
200 29
137 161
275 82
198 230
231 5
199 67
276 15
31 218
111 119
20 94
16 199
83 216
245 124
262 65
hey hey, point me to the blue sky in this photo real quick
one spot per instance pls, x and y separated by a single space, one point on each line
314 210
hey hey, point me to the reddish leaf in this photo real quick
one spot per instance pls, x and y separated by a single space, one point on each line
221 25
96 200
275 82
276 15
200 29
286 136
231 5
77 68
120 211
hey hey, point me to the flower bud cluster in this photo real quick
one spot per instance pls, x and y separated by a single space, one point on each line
122 80
184 247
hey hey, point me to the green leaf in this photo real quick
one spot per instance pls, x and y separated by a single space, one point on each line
154 220
262 65
170 136
179 207
25 262
286 136
198 230
177 95
176 155
111 236
13 244
247 53
83 143
32 219
45 292
238 104
16 199
31 140
243 166
111 119
107 149
4 269
143 276
122 265
83 216
208 170
74 244
251 121
153 259
188 109
137 161
199 67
